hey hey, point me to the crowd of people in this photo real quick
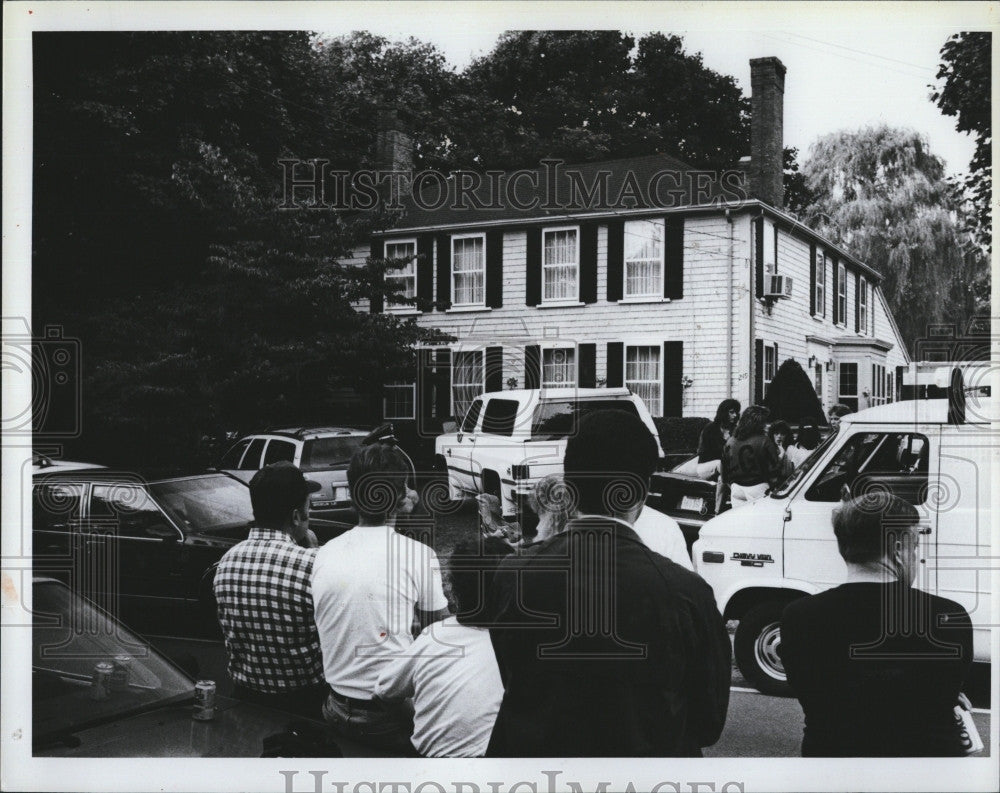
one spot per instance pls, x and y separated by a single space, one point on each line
589 636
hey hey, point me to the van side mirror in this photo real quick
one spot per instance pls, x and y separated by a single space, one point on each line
449 426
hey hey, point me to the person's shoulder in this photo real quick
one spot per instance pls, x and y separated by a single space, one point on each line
949 611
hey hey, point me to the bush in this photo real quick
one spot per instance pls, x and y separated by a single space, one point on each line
679 434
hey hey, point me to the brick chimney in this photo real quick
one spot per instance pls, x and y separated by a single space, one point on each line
767 99
393 146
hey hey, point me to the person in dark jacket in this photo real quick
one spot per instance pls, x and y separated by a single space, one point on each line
606 648
751 463
712 445
876 664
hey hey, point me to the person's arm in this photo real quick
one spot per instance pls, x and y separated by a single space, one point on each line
711 668
431 605
396 680
772 462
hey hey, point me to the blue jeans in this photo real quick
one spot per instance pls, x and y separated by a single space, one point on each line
384 725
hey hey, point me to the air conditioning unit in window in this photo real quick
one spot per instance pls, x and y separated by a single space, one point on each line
777 286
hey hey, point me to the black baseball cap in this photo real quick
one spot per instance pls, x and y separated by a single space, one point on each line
277 489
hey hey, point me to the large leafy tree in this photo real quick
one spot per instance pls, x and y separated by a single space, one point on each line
882 194
965 68
159 240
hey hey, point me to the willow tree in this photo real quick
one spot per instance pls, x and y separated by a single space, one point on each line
883 195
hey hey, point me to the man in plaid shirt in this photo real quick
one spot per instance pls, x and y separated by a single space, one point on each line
265 604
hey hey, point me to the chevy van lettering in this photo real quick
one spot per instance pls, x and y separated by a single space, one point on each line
752 557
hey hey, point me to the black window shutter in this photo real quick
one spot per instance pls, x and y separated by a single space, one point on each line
443 271
616 259
898 385
616 364
758 373
857 302
425 272
494 368
812 278
533 275
532 366
587 366
376 302
443 363
673 276
835 292
758 255
425 381
494 269
673 371
588 262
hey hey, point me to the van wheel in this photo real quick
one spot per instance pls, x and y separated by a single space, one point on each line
756 646
491 483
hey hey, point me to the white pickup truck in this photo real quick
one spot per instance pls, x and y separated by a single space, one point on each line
508 440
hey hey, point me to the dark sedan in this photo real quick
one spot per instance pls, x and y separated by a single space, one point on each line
148 711
139 547
684 496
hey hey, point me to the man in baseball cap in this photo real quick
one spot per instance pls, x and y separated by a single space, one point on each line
264 593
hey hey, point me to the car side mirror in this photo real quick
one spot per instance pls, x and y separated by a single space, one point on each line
449 426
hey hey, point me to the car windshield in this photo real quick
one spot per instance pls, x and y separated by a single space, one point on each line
69 638
320 454
206 503
795 477
559 418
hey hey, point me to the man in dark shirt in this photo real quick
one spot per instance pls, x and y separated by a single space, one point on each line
606 648
876 664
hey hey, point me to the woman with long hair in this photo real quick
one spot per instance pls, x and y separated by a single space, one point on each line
751 463
712 441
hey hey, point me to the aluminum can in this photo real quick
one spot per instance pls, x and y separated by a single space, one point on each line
100 687
122 672
204 700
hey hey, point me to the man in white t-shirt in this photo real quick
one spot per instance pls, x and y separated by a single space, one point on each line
660 533
451 671
369 586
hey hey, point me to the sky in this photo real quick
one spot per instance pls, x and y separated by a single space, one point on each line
849 65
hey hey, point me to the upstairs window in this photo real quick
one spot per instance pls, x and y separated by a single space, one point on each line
468 270
841 294
643 378
821 284
560 265
405 278
644 258
863 305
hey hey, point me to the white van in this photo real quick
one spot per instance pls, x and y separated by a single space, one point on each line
759 557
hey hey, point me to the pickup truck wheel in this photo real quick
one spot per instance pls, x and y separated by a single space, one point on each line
491 483
756 646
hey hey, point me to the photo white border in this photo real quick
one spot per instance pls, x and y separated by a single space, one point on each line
21 772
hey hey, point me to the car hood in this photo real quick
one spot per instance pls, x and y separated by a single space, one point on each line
761 518
238 730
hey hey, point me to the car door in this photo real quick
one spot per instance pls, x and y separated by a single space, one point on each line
134 544
866 462
497 446
57 509
459 456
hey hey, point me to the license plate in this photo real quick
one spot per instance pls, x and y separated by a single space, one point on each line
693 504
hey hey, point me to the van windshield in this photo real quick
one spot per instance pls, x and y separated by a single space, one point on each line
559 418
786 487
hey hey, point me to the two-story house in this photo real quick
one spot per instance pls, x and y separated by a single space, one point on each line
687 287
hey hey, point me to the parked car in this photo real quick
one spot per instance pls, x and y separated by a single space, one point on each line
151 714
763 555
124 540
508 440
323 454
684 496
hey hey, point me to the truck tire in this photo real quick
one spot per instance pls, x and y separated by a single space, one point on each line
491 483
756 648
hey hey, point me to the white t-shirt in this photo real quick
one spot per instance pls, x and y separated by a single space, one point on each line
451 673
660 533
366 584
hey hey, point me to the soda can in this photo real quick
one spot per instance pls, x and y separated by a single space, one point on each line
100 687
122 673
204 700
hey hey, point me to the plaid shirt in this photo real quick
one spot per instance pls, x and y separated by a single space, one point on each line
265 605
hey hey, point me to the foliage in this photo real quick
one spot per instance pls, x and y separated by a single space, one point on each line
882 194
159 242
791 397
966 70
797 195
